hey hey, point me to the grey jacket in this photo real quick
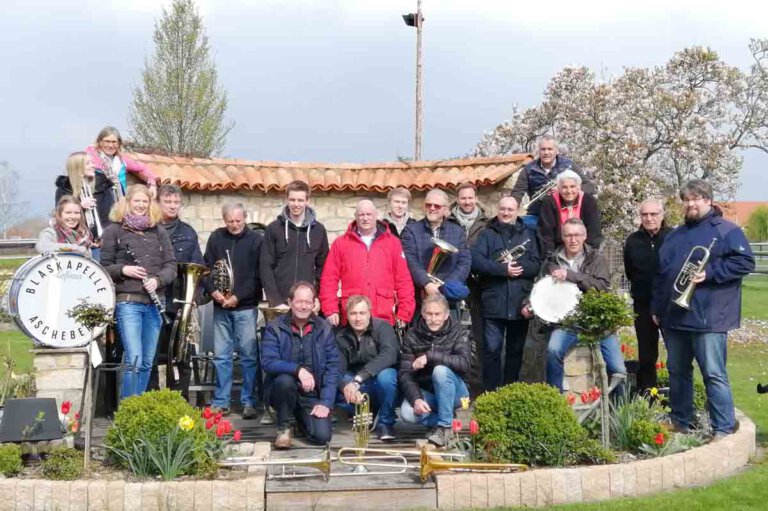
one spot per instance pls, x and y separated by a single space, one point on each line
594 273
47 241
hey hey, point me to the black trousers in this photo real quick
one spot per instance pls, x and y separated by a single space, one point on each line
286 400
161 357
647 345
506 336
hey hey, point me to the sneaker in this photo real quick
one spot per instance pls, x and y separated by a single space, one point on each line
223 411
440 436
283 440
249 412
387 432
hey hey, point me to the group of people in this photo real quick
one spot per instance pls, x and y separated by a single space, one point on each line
373 314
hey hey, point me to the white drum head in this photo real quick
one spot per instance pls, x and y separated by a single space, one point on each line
552 300
46 287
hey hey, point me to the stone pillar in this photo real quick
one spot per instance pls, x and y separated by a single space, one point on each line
60 374
578 370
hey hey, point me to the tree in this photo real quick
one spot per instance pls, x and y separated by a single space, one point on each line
180 106
11 210
648 131
757 225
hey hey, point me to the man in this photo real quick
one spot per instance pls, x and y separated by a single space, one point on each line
641 259
569 201
418 248
398 212
367 260
539 173
369 350
234 310
295 246
583 265
186 248
504 286
434 361
701 331
301 360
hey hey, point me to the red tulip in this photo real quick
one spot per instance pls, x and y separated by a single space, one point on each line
659 439
77 416
209 424
236 436
66 406
207 413
474 427
570 398
585 398
227 426
623 348
220 430
456 425
217 417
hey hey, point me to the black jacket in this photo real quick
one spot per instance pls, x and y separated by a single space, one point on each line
377 350
291 254
641 260
244 250
393 227
448 347
102 192
502 296
186 249
550 230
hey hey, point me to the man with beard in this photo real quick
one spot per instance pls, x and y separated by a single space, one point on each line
700 330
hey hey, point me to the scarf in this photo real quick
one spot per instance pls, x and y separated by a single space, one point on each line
113 169
136 222
171 226
80 236
466 219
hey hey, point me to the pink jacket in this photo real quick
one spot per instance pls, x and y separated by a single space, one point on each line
132 166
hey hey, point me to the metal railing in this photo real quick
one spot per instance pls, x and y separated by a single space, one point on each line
760 250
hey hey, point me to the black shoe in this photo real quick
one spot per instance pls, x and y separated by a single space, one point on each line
387 432
250 412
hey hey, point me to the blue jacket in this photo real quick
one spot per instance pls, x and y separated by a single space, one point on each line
276 355
716 302
417 245
502 297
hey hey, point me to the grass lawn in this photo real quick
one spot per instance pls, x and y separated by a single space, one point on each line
18 345
754 298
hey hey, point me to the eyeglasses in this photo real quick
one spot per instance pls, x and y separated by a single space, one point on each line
110 142
430 205
575 235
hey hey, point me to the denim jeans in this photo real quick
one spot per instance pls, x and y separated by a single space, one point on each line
449 389
710 351
235 329
139 327
531 221
561 342
383 393
496 334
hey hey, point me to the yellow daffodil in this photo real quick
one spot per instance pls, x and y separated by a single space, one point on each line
654 391
186 423
465 403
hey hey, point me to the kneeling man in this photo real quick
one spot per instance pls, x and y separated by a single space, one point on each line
435 359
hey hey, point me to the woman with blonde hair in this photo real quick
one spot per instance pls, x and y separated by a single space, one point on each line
137 254
106 155
68 232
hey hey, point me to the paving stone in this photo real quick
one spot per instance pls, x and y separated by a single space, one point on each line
8 493
25 493
237 496
495 490
462 492
59 495
184 495
97 495
78 495
512 491
479 489
255 491
543 487
643 473
203 495
566 485
43 495
629 479
528 491
150 496
132 496
116 495
596 483
673 472
616 480
656 475
220 495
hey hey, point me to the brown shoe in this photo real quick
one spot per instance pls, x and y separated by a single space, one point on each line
283 440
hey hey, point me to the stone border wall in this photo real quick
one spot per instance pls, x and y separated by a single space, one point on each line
545 487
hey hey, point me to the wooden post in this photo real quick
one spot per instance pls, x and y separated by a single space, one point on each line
417 150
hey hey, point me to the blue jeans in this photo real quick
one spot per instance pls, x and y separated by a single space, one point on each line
383 393
235 329
449 389
561 342
496 334
531 221
710 351
139 327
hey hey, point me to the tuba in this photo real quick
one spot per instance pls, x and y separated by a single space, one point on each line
684 284
182 332
441 250
223 276
91 215
511 255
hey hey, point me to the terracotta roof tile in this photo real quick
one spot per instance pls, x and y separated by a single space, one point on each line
266 176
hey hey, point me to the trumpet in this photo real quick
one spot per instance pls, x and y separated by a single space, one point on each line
441 250
91 214
684 284
223 276
511 255
543 191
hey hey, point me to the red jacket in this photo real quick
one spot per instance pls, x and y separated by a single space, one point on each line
380 273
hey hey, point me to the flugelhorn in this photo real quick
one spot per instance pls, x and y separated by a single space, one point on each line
428 466
684 283
441 250
91 214
223 275
511 255
178 344
543 191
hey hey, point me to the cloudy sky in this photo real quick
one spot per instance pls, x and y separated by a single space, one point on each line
333 80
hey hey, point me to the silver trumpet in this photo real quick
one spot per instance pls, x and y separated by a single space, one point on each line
91 214
511 255
684 284
543 191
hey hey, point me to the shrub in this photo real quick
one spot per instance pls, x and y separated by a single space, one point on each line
644 431
63 464
626 412
533 424
10 459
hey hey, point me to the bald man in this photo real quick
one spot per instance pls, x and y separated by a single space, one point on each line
367 260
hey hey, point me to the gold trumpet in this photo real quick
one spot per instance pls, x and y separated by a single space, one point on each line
441 250
511 255
428 466
321 463
91 214
684 283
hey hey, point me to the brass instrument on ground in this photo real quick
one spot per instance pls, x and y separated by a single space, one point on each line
321 463
684 281
223 276
428 466
178 345
511 255
91 214
543 192
441 250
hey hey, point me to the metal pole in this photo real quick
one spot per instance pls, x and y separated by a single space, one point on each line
417 151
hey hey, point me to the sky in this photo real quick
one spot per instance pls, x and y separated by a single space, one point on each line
334 80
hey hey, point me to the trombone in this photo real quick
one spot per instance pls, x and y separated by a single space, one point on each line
321 463
427 466
91 214
684 284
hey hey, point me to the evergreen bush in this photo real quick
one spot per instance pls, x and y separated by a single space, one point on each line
10 459
63 464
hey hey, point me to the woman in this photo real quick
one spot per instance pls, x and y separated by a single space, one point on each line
68 233
107 158
137 254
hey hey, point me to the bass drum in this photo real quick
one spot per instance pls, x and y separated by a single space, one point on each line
552 300
47 287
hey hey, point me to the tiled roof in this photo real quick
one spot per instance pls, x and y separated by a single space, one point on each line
739 212
265 176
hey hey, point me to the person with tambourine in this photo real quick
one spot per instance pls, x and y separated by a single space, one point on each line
137 254
68 232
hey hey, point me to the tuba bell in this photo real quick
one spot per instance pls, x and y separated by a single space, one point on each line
441 250
684 284
178 347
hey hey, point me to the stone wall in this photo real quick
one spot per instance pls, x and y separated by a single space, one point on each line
60 374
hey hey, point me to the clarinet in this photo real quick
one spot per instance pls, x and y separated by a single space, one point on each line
153 295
